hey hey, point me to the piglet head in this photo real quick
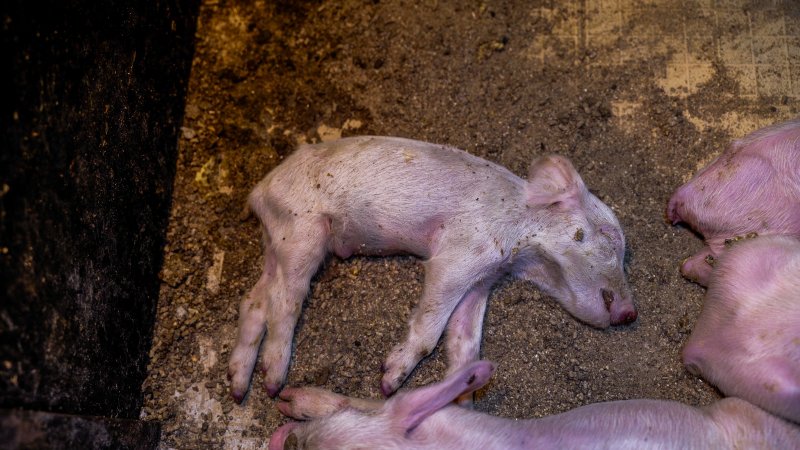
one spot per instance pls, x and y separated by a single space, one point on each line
577 256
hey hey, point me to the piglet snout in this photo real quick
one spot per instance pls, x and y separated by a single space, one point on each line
622 313
626 318
693 355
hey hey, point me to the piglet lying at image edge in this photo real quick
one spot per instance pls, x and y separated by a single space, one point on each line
426 418
753 188
747 338
470 220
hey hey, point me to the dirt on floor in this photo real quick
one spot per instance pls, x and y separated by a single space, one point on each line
637 94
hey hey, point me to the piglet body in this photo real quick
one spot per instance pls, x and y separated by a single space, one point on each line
425 418
470 220
747 338
753 188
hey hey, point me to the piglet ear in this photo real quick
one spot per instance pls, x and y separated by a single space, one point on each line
415 406
553 180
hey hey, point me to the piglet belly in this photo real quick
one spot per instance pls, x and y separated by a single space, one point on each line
379 237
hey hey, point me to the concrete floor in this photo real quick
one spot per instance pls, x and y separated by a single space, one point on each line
638 94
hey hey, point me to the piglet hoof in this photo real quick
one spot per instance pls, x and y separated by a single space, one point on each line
237 392
386 388
273 380
272 388
237 396
388 384
696 270
287 403
286 409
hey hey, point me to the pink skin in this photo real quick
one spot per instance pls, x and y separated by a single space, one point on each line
278 438
427 418
471 221
747 338
753 187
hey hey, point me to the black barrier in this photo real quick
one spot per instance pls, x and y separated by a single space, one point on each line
92 101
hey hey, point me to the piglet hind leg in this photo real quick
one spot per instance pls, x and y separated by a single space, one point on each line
252 325
464 331
298 260
444 288
274 303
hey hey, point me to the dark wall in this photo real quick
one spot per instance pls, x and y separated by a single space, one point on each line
28 430
92 99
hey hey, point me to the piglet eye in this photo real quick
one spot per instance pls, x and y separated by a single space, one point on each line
609 232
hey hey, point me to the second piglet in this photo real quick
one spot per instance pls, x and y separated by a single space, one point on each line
472 221
752 188
747 338
425 418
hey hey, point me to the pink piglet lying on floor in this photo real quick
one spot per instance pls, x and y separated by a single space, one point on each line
471 221
753 188
426 418
747 338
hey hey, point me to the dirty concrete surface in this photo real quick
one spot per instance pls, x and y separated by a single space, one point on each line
638 94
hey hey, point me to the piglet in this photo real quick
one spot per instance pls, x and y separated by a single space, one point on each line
747 338
472 221
426 418
752 189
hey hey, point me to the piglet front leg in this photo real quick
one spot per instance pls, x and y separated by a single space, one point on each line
252 325
446 284
698 267
312 403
